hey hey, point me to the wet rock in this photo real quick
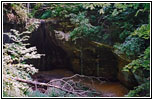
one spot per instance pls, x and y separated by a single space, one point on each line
95 60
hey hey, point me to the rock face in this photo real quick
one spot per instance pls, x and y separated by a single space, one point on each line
94 59
82 56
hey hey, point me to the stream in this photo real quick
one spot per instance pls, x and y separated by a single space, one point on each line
107 88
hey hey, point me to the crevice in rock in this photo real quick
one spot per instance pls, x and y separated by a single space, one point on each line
44 40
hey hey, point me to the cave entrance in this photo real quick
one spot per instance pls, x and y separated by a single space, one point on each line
56 63
55 57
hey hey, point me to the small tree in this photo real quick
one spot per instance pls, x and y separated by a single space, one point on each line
14 65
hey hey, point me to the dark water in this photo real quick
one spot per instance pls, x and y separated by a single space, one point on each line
108 89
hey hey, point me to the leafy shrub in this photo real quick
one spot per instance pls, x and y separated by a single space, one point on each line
142 90
32 24
143 31
62 10
14 65
35 9
141 70
83 27
140 64
132 47
134 44
122 19
56 10
93 6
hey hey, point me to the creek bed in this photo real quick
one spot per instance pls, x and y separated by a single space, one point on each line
107 88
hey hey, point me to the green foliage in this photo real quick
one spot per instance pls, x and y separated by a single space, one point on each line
56 10
36 7
132 47
141 70
116 20
141 66
126 17
143 62
15 54
93 6
134 44
32 24
14 66
143 31
62 10
46 14
129 14
142 90
123 18
20 10
83 27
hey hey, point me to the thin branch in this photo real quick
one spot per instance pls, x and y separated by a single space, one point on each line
43 84
67 81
